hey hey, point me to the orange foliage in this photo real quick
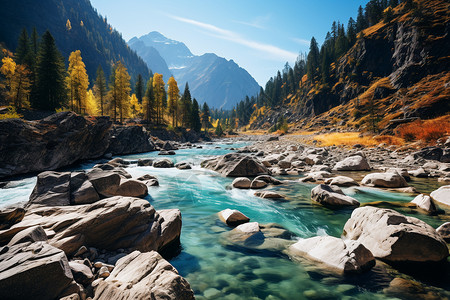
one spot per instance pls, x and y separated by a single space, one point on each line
428 130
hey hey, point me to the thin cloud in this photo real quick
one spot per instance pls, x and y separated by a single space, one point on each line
251 24
301 41
257 22
238 39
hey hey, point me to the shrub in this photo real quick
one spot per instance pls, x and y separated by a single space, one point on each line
428 131
10 114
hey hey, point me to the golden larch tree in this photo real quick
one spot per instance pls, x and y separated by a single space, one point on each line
77 82
173 94
159 93
122 93
91 103
136 110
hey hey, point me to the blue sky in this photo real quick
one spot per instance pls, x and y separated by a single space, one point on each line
260 36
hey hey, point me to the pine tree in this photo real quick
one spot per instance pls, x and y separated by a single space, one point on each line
205 116
351 32
195 117
50 76
186 107
312 62
361 22
173 97
78 82
23 48
100 88
139 88
149 102
219 129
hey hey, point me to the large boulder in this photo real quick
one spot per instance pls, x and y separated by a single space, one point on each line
130 139
341 255
394 237
105 183
51 143
81 189
442 195
353 163
132 188
112 223
241 183
233 217
34 271
143 276
236 165
51 189
386 180
332 197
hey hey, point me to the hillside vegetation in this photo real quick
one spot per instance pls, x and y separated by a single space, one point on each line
395 71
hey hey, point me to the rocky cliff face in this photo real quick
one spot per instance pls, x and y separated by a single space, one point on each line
56 141
393 65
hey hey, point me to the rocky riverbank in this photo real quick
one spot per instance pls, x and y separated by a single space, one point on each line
87 235
65 138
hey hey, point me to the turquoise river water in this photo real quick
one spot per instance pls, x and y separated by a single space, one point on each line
217 271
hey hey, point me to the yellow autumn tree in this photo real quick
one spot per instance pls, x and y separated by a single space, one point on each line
121 92
173 94
136 110
77 82
68 25
18 84
91 104
159 93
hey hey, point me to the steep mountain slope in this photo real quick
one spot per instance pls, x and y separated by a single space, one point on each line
212 79
154 60
89 32
397 70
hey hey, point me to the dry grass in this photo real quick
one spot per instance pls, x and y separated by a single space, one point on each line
352 138
428 131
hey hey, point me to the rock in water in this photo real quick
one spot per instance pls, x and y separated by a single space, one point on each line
425 202
387 180
233 217
51 143
34 271
442 195
163 163
394 237
341 181
143 276
112 223
444 231
235 165
344 256
332 197
52 189
241 183
353 163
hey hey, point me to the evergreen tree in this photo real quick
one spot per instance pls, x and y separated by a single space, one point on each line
50 76
34 42
312 62
149 102
139 88
205 116
186 107
23 48
100 88
351 32
195 116
219 129
361 23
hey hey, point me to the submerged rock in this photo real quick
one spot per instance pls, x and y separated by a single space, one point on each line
332 197
342 255
269 195
235 165
394 237
143 276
